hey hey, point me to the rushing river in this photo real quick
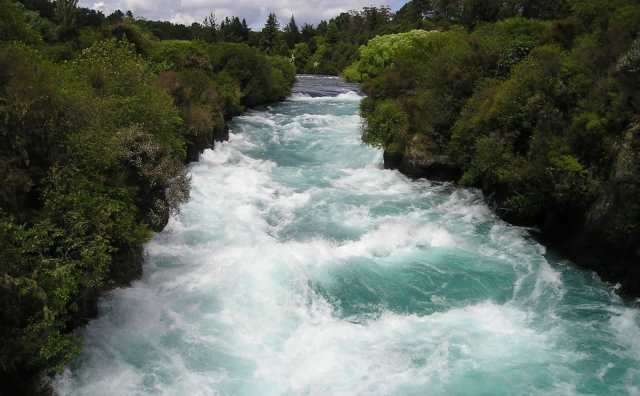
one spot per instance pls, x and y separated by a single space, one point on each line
301 267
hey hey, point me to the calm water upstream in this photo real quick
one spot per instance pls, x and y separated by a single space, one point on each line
301 267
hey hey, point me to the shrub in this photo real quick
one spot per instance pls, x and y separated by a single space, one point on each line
13 24
261 79
180 54
161 178
386 123
380 52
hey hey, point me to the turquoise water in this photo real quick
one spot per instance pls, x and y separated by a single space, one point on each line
301 267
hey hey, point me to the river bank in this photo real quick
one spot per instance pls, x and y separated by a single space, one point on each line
578 236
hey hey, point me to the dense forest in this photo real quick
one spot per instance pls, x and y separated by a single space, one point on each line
98 119
534 102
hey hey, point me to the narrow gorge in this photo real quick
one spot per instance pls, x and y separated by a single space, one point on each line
300 266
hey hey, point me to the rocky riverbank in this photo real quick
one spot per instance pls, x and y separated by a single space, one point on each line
596 238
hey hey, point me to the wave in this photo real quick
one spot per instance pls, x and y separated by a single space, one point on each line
350 96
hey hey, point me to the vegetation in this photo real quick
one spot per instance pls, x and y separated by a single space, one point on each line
534 102
97 120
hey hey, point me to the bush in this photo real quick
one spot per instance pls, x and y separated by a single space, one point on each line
131 33
261 79
386 123
179 54
40 103
123 85
161 179
380 52
14 25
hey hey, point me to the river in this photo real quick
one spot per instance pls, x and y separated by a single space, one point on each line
301 267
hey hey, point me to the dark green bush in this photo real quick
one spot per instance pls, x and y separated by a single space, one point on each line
14 24
262 79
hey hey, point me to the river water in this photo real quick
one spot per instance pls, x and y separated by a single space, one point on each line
301 267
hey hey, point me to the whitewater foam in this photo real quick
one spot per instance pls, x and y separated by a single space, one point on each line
301 267
343 97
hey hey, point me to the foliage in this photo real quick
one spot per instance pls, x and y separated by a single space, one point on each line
380 52
532 111
181 54
387 125
130 32
66 11
14 24
97 121
271 40
262 79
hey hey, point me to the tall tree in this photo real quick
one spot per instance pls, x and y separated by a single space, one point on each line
210 28
271 34
66 11
292 33
232 30
307 33
115 17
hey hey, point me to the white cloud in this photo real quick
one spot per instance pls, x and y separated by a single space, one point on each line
184 19
254 11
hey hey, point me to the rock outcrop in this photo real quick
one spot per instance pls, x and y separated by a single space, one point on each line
423 159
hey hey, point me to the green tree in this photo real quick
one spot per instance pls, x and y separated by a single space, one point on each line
115 17
271 40
66 13
291 33
210 29
14 24
380 52
301 55
233 30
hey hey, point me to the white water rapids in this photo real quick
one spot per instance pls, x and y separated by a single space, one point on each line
301 267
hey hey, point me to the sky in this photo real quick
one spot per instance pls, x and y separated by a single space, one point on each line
254 11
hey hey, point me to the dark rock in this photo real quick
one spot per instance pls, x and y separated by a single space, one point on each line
392 160
206 141
222 135
423 159
609 239
127 265
27 383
